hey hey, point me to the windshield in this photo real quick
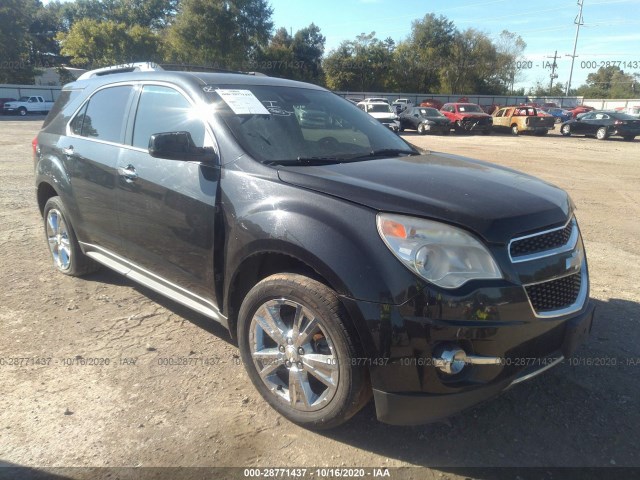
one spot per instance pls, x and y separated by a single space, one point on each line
297 123
23 99
379 108
470 108
430 112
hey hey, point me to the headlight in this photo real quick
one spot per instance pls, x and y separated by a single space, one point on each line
441 254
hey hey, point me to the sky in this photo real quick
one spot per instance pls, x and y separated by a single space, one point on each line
611 30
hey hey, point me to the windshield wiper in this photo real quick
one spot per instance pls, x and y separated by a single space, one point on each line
305 161
385 152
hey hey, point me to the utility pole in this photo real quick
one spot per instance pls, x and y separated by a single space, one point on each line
553 70
578 21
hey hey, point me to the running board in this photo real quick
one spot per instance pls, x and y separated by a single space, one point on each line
154 282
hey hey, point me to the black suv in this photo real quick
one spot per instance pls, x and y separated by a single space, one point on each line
345 262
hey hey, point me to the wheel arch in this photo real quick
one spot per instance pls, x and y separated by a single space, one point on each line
44 191
262 264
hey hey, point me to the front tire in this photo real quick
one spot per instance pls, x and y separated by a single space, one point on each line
22 111
602 133
297 349
514 129
421 129
565 131
65 250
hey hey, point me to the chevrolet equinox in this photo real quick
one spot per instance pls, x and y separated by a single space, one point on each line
346 263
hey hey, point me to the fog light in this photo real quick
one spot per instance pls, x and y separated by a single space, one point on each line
452 359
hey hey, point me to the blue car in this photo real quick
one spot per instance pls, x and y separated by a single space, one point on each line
561 114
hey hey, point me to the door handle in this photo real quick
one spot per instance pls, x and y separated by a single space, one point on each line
68 151
128 172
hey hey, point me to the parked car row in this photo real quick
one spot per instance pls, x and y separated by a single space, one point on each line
464 117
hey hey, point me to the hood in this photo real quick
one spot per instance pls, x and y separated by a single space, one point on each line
435 119
383 115
494 202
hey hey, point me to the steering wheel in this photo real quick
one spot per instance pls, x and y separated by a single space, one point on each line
329 143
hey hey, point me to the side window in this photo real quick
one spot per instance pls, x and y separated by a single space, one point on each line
103 117
78 120
161 110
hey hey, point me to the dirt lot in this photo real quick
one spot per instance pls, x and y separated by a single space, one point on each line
146 414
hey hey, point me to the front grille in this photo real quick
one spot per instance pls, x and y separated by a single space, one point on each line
542 242
555 294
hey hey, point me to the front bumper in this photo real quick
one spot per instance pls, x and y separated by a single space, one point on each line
412 408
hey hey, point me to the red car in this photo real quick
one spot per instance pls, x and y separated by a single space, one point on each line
580 109
432 103
468 117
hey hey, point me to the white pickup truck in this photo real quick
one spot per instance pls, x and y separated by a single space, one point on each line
25 105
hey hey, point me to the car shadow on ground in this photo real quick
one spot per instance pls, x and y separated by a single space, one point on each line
26 118
104 275
584 412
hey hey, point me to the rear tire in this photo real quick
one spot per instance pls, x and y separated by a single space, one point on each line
602 133
565 130
297 348
421 129
65 250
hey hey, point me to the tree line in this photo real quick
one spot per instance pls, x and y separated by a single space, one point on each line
436 57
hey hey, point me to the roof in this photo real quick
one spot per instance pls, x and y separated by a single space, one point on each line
190 79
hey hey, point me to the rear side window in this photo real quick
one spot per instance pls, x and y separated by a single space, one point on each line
104 116
162 110
66 97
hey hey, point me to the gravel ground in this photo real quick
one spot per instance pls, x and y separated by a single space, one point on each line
136 412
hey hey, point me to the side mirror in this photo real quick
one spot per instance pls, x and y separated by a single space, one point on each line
178 146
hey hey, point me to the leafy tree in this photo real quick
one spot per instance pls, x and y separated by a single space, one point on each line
153 14
16 62
308 48
92 43
227 33
509 48
298 57
610 82
421 58
472 64
541 89
365 64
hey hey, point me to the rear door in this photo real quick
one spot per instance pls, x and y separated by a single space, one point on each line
166 208
90 152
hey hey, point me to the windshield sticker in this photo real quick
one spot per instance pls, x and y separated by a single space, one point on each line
276 109
242 102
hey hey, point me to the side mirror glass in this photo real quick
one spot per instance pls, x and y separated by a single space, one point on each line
178 146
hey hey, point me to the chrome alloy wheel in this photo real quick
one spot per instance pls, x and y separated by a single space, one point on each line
294 355
58 238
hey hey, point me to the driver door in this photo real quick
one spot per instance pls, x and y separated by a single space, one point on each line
166 208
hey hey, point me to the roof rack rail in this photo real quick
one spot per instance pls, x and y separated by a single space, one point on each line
182 67
123 68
